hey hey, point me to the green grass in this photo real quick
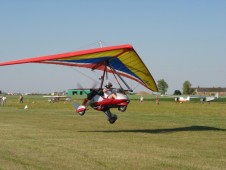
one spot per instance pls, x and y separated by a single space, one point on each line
147 136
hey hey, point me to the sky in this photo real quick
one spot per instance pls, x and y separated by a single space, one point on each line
177 40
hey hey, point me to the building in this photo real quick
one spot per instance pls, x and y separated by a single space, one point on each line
72 92
209 91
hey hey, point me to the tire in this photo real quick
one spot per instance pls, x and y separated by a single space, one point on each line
113 119
122 108
82 113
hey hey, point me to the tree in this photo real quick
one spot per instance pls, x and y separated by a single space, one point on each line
162 86
177 92
187 88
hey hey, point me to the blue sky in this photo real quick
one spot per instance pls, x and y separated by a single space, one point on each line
177 40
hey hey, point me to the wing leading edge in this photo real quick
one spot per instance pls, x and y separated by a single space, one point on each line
122 58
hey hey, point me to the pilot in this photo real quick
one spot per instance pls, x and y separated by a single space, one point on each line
108 91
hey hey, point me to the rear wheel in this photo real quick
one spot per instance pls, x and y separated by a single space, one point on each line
122 108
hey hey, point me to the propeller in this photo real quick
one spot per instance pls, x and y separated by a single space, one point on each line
80 87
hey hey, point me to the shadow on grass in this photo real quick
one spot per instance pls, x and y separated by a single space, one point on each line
169 130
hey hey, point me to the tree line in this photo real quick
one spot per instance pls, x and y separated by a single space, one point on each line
163 87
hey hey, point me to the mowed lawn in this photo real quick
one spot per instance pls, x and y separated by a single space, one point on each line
147 136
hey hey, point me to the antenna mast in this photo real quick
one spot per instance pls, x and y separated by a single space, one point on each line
101 45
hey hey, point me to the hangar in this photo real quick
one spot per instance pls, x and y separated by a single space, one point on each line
72 92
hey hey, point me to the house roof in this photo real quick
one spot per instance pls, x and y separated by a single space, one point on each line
213 89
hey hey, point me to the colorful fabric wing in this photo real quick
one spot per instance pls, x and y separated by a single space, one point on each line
122 58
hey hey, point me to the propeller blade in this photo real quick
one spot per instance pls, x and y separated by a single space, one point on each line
94 86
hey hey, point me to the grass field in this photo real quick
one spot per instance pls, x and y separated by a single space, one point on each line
147 136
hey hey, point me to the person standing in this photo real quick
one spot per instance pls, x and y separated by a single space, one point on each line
21 99
141 99
4 101
157 99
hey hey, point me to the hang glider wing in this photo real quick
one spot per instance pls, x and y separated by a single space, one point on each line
122 58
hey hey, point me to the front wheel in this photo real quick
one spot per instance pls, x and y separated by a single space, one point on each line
81 110
82 113
113 119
